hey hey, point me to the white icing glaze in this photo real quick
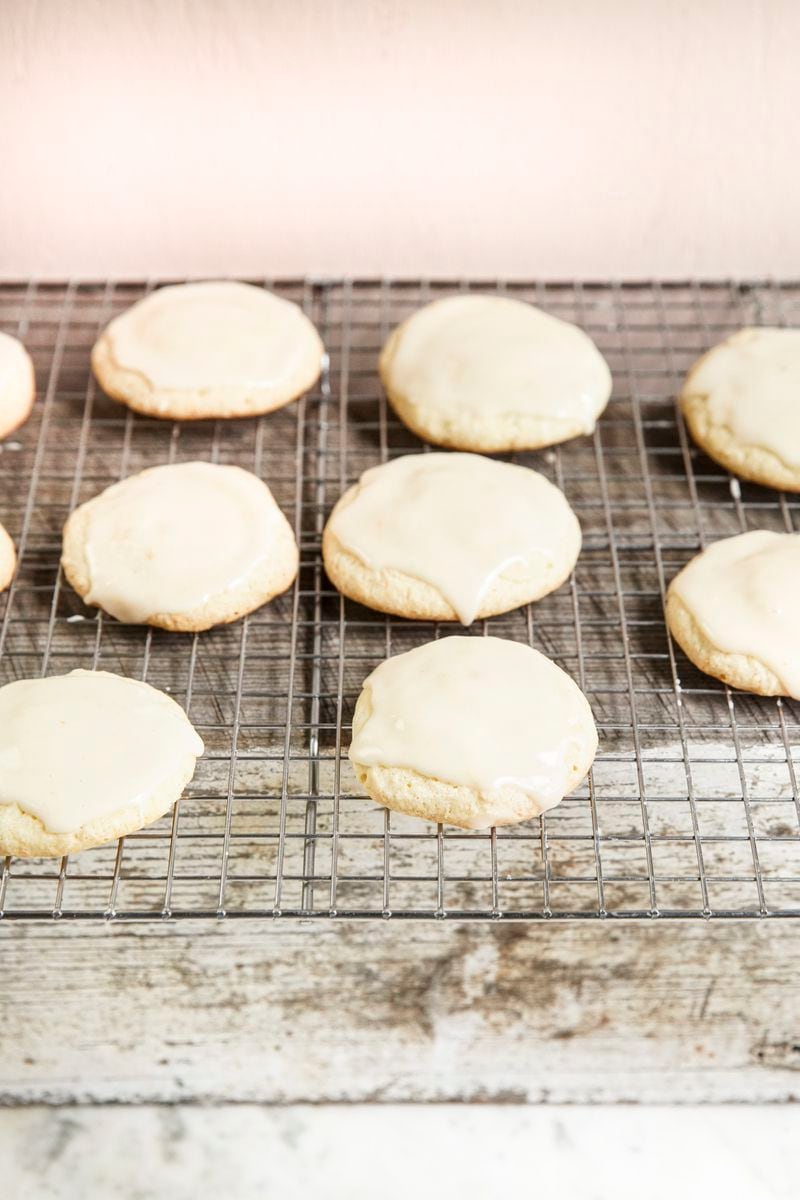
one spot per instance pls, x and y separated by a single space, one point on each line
491 354
8 558
742 592
75 748
752 382
481 712
457 522
199 336
14 362
174 537
16 382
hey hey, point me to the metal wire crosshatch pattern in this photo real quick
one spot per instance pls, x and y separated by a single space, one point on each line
692 808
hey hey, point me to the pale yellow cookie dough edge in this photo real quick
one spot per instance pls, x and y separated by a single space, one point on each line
268 579
740 671
496 434
719 442
16 408
416 795
8 559
391 591
24 836
133 389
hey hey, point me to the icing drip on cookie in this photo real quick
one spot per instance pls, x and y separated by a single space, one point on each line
457 522
200 336
481 712
742 592
174 537
491 354
752 385
76 748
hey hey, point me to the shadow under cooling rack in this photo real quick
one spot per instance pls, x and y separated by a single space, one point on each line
692 807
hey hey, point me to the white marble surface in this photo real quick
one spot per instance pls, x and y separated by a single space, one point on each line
361 1152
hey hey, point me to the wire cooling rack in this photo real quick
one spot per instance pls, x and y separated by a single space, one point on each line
692 808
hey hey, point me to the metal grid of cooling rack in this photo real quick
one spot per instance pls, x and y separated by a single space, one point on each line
692 807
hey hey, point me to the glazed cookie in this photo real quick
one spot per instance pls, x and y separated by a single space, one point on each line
183 547
8 559
741 402
471 731
86 758
489 373
450 537
17 384
733 610
200 350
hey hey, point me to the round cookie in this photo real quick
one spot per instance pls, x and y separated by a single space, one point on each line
199 350
17 384
8 559
86 758
450 537
488 373
183 547
472 732
733 611
741 403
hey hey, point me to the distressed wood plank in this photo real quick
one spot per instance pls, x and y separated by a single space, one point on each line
337 1011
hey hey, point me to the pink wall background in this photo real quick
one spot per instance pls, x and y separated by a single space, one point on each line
478 137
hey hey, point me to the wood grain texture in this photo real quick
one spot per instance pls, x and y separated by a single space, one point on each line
429 1012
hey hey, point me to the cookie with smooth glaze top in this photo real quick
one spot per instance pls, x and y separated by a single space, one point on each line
472 732
733 611
184 547
450 537
488 373
741 403
87 758
195 351
8 559
17 384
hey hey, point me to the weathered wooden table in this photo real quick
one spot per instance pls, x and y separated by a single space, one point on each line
323 1011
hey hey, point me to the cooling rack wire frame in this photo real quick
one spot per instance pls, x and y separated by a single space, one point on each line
692 808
